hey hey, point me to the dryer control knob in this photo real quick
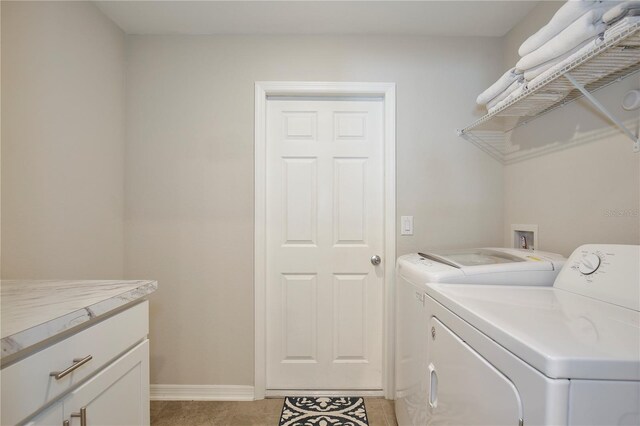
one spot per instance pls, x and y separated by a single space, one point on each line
589 264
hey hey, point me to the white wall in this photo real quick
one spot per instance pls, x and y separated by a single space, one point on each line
62 141
588 193
189 172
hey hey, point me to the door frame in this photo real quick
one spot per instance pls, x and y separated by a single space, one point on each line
387 91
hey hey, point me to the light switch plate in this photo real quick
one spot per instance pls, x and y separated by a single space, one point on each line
406 225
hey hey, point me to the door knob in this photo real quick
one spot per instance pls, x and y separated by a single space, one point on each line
375 260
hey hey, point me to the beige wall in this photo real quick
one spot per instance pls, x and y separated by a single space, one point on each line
189 173
62 141
588 193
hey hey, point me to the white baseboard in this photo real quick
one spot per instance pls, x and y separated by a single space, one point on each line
201 393
280 393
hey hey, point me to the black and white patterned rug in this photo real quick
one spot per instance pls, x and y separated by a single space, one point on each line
323 411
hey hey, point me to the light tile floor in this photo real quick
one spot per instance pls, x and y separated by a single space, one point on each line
265 412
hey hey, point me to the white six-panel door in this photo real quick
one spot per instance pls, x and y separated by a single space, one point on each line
325 219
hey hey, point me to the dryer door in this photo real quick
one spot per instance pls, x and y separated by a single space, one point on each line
465 389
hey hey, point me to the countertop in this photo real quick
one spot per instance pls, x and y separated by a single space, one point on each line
34 311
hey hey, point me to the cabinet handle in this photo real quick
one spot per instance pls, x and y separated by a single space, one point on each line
66 423
77 362
83 416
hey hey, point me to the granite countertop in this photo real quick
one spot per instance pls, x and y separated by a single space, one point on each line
34 311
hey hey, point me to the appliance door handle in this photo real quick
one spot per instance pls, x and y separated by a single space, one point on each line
433 386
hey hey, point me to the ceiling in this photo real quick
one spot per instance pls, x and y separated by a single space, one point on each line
444 18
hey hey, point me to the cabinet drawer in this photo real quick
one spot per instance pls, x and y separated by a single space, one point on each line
27 384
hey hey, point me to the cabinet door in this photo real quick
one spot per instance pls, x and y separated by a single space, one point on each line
52 416
465 389
118 395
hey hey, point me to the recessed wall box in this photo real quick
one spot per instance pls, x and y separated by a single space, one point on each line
524 236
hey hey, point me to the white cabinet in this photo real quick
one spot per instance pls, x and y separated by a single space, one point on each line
117 396
53 415
112 385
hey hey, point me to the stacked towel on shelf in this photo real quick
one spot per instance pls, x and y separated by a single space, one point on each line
508 91
588 26
558 65
614 14
565 16
631 16
578 28
503 83
514 94
611 31
534 72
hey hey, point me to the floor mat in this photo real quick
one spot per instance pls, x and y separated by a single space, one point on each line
323 411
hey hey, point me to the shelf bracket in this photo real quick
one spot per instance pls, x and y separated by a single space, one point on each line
634 138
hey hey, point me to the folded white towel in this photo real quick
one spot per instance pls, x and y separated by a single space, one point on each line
509 90
498 87
587 26
521 88
619 11
590 45
568 13
621 26
532 73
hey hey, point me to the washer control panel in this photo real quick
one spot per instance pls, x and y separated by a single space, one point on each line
589 264
604 272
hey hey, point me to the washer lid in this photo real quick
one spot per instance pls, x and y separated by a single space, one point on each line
491 260
418 269
561 334
474 257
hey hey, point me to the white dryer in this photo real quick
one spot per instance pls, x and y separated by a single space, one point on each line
562 355
472 266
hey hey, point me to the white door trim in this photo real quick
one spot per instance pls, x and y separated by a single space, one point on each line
283 88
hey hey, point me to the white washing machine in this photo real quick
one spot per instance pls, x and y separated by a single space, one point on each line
475 266
562 355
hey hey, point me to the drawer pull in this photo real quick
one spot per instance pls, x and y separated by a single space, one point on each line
83 416
77 362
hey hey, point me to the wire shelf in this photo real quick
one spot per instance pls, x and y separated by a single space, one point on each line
614 59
